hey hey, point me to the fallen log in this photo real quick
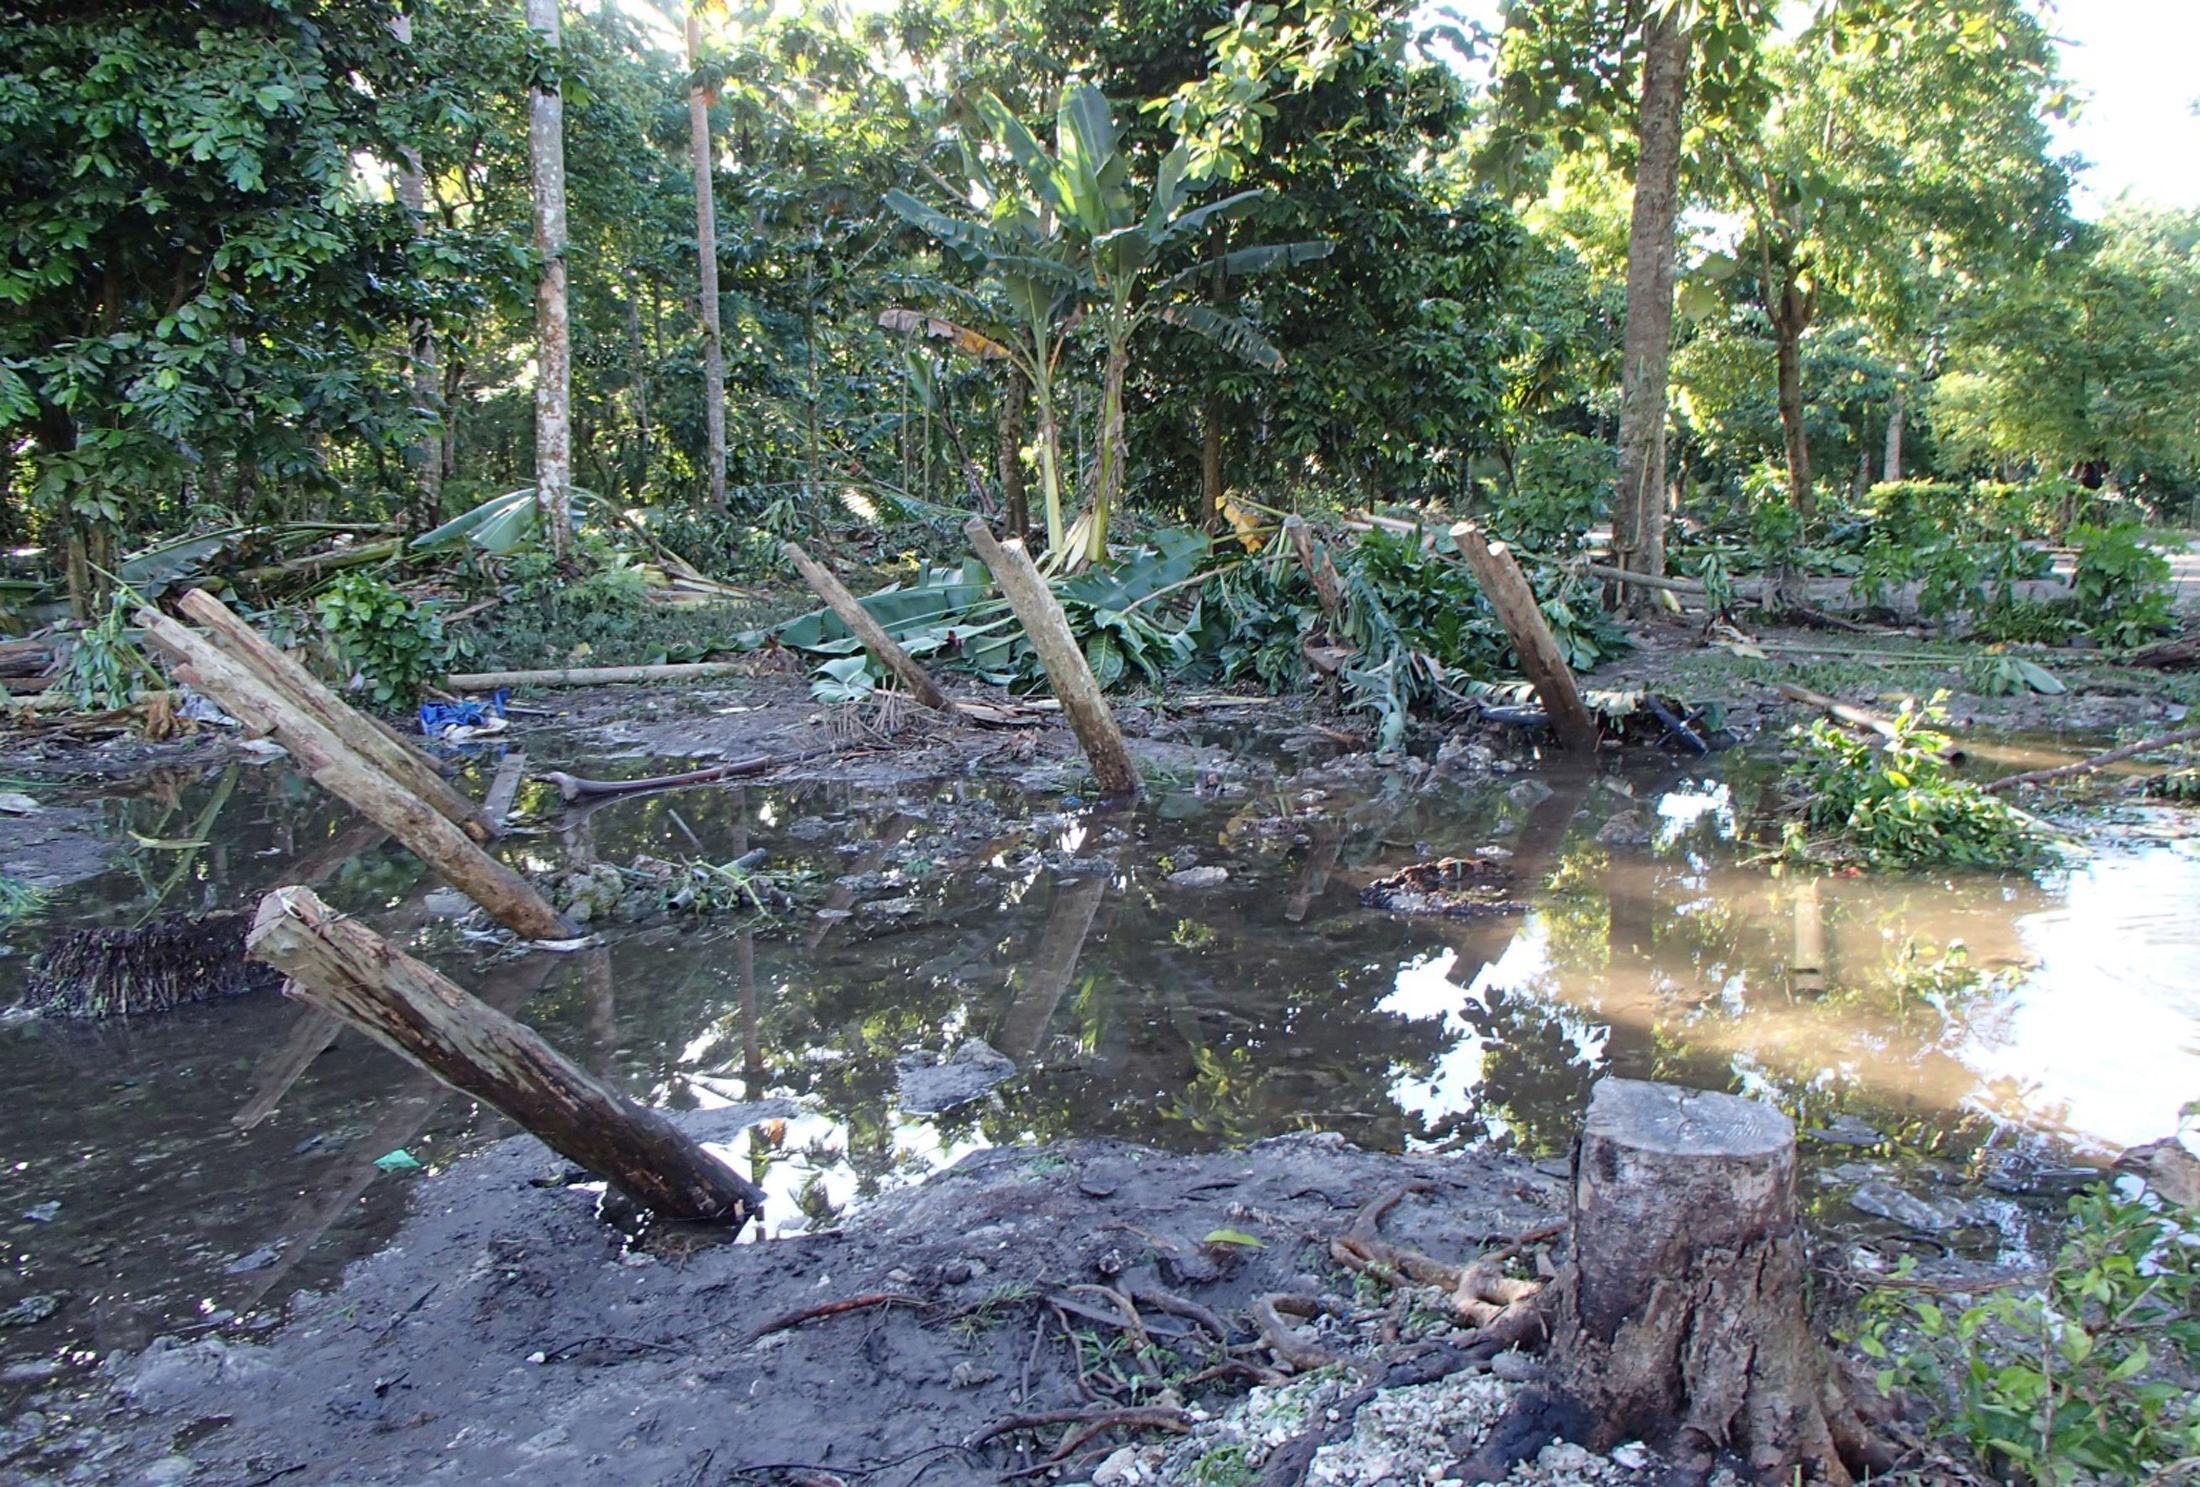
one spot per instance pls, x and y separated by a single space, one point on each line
589 676
343 967
1506 587
866 629
510 899
1679 1315
1067 671
573 787
369 738
1856 717
504 788
2168 655
2098 761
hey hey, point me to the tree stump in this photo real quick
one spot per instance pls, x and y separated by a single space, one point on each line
1679 1317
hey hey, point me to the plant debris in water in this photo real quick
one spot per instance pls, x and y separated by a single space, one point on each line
1458 887
92 973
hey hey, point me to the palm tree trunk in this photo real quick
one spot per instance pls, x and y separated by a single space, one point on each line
706 252
1108 489
1010 426
553 326
1638 511
1210 464
426 377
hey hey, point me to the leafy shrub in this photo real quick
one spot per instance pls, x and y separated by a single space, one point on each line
1561 487
2028 622
1893 802
2120 585
394 646
105 665
2073 1382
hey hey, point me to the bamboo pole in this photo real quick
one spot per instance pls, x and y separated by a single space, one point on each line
510 899
343 967
2098 761
589 676
1048 630
867 629
367 737
1506 587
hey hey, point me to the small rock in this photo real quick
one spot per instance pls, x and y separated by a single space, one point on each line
968 1375
16 803
1514 1367
1846 1130
899 1277
929 1085
30 1311
1627 829
889 908
1633 1455
1200 877
448 903
168 1471
30 1371
1528 794
956 1273
1564 1457
1885 1200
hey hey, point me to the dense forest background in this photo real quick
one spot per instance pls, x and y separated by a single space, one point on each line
276 262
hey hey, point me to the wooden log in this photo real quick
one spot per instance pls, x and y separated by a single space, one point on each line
573 787
343 967
1072 679
590 676
1053 963
1855 717
2099 761
2166 655
1679 1317
504 788
369 738
510 899
1506 587
1320 572
867 629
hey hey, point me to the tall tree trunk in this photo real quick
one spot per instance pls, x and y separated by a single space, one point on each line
426 376
1790 318
1108 484
1638 511
1010 424
553 326
1210 464
1896 414
706 253
640 355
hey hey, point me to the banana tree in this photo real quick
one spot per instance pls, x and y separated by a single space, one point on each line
1077 240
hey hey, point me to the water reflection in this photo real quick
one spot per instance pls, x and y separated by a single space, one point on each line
227 1153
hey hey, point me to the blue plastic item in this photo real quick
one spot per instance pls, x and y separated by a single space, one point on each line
437 716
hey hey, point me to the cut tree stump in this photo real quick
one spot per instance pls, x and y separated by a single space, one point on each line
1072 679
1506 587
343 967
369 738
509 898
1679 1316
867 629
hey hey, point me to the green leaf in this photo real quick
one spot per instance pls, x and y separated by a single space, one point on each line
1232 1236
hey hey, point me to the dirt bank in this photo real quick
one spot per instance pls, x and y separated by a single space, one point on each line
509 1335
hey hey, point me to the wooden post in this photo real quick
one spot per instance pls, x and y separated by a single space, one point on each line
343 967
510 899
1507 589
865 628
1679 1315
367 737
1072 679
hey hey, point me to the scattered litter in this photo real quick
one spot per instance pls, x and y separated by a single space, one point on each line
399 1160
454 722
44 1213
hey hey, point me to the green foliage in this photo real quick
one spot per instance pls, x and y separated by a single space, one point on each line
105 664
18 899
1894 803
2080 1380
1999 674
392 645
1563 485
2120 584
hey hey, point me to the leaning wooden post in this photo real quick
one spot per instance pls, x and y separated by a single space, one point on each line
363 735
1679 1316
1072 679
1320 572
341 966
510 899
1506 587
867 629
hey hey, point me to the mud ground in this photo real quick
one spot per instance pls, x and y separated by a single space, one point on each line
510 1335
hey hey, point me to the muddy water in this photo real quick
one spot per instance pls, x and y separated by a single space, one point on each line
1188 1014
